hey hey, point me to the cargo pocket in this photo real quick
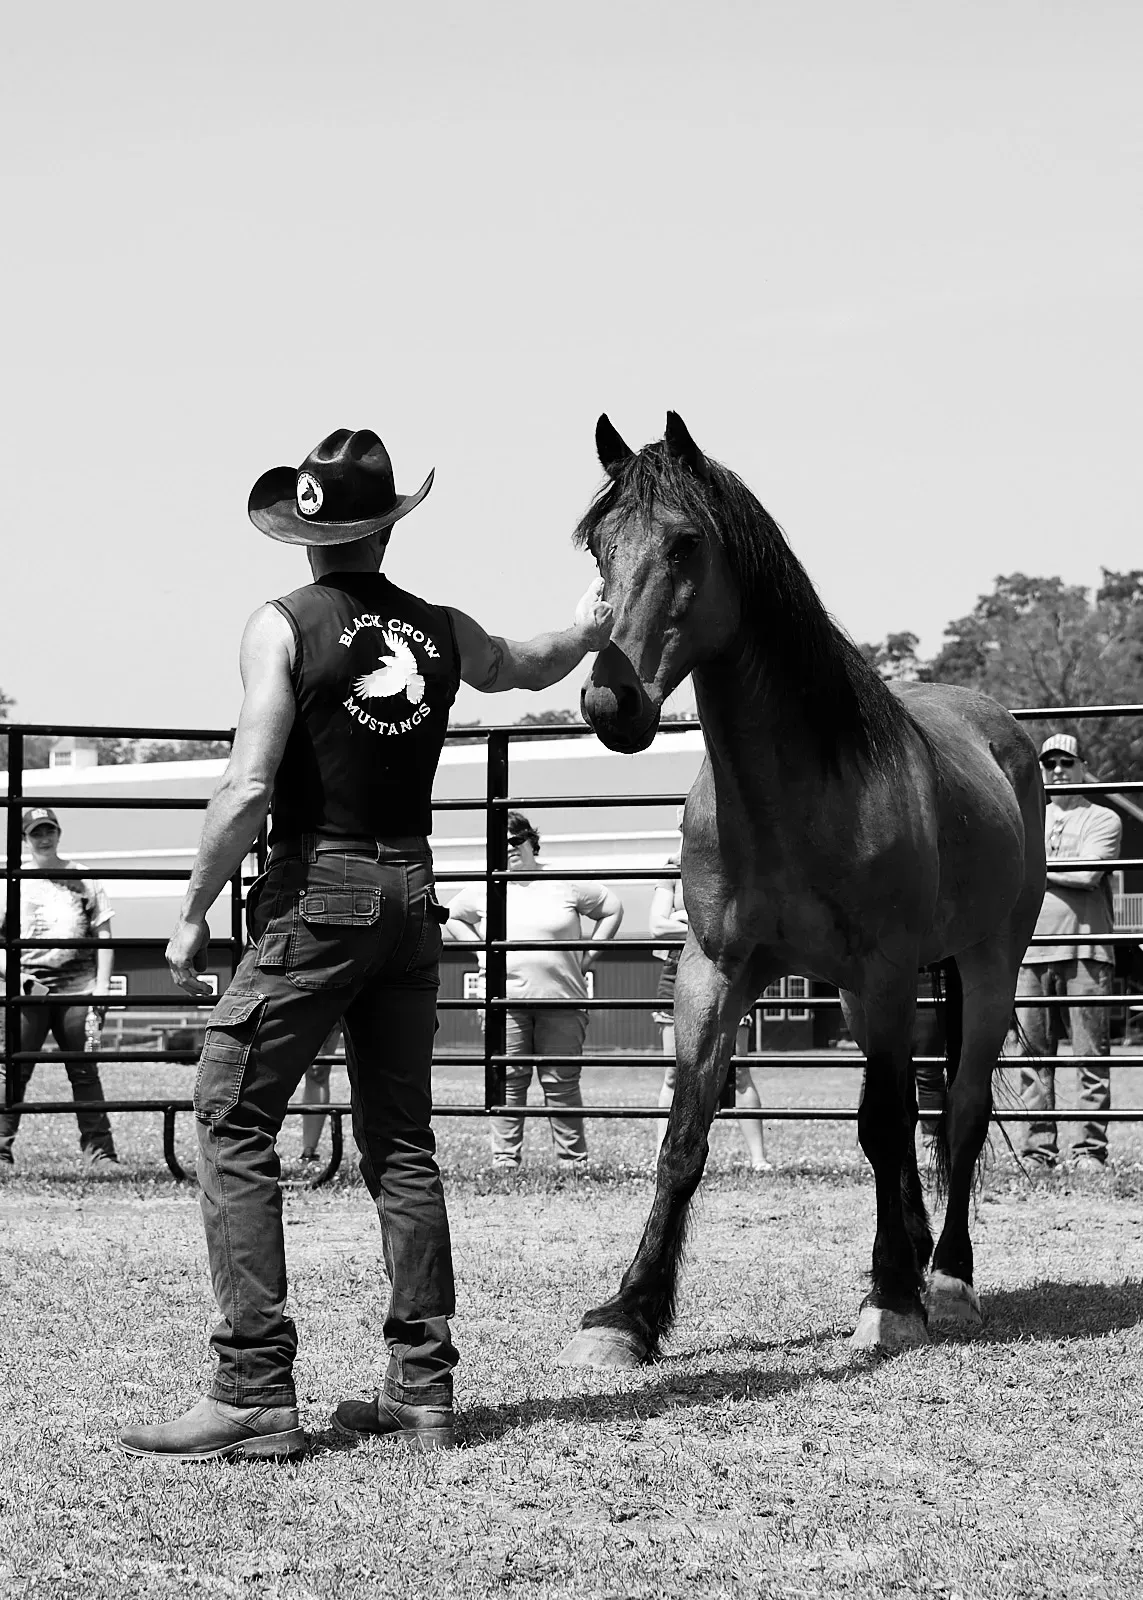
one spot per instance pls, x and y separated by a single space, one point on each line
334 935
230 1031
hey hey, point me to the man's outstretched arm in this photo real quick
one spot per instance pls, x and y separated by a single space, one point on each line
491 663
239 805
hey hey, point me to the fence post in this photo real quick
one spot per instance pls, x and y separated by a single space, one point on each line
15 843
496 919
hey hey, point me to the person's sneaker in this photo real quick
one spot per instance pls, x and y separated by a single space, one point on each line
307 1156
762 1166
1040 1166
1089 1163
212 1430
415 1427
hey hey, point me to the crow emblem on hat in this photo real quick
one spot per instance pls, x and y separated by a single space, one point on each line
393 674
309 494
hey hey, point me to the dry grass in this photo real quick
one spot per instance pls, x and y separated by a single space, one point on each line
759 1458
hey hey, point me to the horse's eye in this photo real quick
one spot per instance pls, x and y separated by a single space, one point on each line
683 549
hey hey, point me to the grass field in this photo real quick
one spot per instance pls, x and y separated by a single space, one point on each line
758 1458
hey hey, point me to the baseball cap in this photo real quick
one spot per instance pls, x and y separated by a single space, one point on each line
37 815
1065 742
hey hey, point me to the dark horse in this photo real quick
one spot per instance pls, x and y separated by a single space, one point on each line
838 828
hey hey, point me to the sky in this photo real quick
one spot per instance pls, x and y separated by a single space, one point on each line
884 259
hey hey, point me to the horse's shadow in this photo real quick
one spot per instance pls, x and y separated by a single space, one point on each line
1041 1311
1050 1310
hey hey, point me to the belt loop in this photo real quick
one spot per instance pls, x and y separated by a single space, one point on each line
309 847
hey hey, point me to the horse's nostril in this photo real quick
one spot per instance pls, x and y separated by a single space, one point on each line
628 702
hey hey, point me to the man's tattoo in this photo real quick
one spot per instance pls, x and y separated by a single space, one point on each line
496 649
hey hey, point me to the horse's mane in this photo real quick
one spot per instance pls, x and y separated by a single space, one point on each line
793 645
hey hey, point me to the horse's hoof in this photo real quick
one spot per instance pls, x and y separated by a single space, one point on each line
881 1329
602 1347
952 1301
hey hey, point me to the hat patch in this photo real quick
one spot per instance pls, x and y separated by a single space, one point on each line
309 494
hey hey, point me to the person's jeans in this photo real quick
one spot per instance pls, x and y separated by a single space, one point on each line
1090 1031
543 1033
338 936
67 1025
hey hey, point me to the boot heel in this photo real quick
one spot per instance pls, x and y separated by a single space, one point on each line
284 1446
428 1438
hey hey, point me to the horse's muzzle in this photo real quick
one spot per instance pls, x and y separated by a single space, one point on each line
617 706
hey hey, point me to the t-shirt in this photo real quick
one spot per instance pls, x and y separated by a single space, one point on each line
673 887
539 910
1081 833
61 908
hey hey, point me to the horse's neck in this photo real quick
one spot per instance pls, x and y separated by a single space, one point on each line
760 755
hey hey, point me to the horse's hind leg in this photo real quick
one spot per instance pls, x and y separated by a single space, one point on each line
912 1194
627 1330
988 980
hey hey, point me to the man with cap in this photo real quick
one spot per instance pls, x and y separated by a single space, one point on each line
1075 903
348 683
64 909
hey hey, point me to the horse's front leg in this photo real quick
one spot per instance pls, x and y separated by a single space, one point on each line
627 1330
892 1315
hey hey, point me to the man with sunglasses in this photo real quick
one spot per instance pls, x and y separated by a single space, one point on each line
64 909
1075 903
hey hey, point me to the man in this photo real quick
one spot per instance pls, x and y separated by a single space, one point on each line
348 683
1074 903
555 910
64 909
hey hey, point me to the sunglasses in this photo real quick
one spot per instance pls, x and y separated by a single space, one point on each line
517 839
1057 761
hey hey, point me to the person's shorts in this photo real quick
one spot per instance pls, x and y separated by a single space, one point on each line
666 990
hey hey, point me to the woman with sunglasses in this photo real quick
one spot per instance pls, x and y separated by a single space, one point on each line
1075 903
542 909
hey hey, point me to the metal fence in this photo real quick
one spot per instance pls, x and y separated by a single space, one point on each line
493 1059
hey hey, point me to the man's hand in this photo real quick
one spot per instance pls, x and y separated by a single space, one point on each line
186 952
594 617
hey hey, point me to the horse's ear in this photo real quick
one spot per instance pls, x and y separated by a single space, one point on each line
613 452
683 448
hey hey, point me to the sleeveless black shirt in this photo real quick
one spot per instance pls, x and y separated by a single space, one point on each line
375 672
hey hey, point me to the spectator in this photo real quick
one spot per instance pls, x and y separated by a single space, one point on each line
62 908
542 910
1075 903
669 920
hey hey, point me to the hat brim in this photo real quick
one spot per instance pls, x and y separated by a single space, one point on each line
273 509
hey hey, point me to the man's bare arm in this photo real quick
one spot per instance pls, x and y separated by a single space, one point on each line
240 803
491 663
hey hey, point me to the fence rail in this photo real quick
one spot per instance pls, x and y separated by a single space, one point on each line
494 1005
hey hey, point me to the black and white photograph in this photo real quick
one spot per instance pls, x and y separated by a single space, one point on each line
571 773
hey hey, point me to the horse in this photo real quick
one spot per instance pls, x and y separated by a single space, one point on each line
840 827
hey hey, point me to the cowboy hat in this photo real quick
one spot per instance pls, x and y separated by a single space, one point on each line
342 491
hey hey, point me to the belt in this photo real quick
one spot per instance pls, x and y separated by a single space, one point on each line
318 844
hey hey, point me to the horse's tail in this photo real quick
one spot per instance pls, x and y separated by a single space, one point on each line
948 992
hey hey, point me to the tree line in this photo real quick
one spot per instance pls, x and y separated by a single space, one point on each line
1042 642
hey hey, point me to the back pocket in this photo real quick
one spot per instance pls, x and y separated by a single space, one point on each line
230 1031
335 935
